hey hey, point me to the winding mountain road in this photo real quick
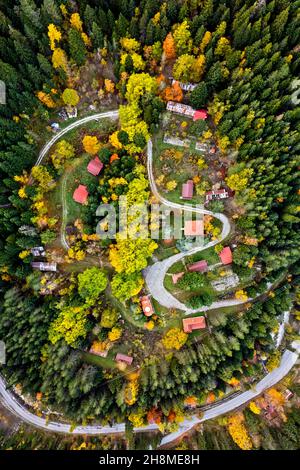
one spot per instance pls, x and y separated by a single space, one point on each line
10 401
154 279
45 150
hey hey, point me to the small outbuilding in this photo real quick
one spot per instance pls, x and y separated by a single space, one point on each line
226 255
146 305
187 190
81 194
177 276
44 266
199 267
95 166
123 358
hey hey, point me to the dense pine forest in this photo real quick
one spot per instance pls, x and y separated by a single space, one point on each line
244 59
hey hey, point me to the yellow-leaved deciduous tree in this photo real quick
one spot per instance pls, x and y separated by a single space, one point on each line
223 143
129 44
130 255
183 39
171 185
239 181
115 333
188 68
76 22
138 85
138 62
91 144
70 325
63 151
169 47
205 41
183 67
273 361
131 392
43 177
59 59
137 418
113 139
175 338
238 431
241 295
70 97
198 68
217 108
223 46
54 35
130 123
254 408
23 254
129 115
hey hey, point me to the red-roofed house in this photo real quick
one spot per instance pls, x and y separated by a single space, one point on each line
187 190
194 228
200 114
226 255
123 358
147 306
95 166
80 194
195 323
200 267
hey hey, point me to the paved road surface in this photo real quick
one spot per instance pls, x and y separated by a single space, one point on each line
154 279
43 153
11 403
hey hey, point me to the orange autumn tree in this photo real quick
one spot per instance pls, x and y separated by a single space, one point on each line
154 416
173 93
169 47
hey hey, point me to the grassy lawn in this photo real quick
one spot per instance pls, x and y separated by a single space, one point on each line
103 362
177 267
186 171
164 252
208 255
76 175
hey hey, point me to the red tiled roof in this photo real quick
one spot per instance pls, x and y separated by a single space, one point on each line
195 323
123 358
193 228
200 114
226 255
147 305
80 194
95 166
187 190
200 266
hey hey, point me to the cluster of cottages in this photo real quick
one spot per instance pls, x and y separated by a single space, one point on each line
187 111
39 252
81 193
202 266
187 193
